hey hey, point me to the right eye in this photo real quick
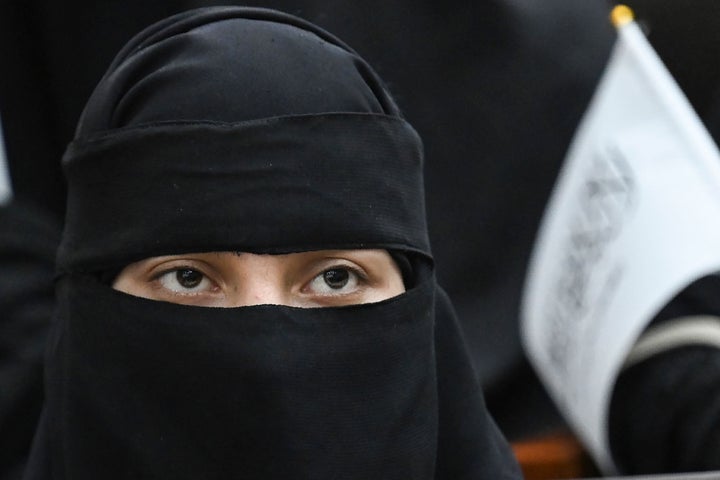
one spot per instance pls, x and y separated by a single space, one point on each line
185 280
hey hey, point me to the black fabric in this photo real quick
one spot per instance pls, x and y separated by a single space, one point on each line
28 240
402 260
258 71
665 411
238 155
252 392
207 175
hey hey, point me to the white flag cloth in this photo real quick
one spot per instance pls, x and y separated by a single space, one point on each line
5 189
633 219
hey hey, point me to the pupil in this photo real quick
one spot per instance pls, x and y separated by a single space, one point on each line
188 278
336 279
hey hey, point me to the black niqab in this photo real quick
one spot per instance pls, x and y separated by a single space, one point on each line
246 129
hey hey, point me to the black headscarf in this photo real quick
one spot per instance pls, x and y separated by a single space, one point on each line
245 129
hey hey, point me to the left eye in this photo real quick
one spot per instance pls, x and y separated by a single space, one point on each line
334 280
184 280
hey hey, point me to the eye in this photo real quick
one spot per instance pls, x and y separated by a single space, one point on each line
185 280
336 278
333 281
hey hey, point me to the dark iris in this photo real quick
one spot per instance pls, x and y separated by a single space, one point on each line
336 278
188 277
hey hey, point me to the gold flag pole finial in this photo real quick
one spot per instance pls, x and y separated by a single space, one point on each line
621 15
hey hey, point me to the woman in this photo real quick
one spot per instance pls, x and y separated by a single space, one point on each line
243 158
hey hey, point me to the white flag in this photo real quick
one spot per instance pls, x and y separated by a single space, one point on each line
633 219
5 189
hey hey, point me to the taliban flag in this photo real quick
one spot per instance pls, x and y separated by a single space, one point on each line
633 219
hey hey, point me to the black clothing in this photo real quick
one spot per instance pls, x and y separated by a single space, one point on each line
28 240
249 130
664 413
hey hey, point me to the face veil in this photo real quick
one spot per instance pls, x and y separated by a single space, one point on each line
244 129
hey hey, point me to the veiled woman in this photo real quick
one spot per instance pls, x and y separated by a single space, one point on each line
245 285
